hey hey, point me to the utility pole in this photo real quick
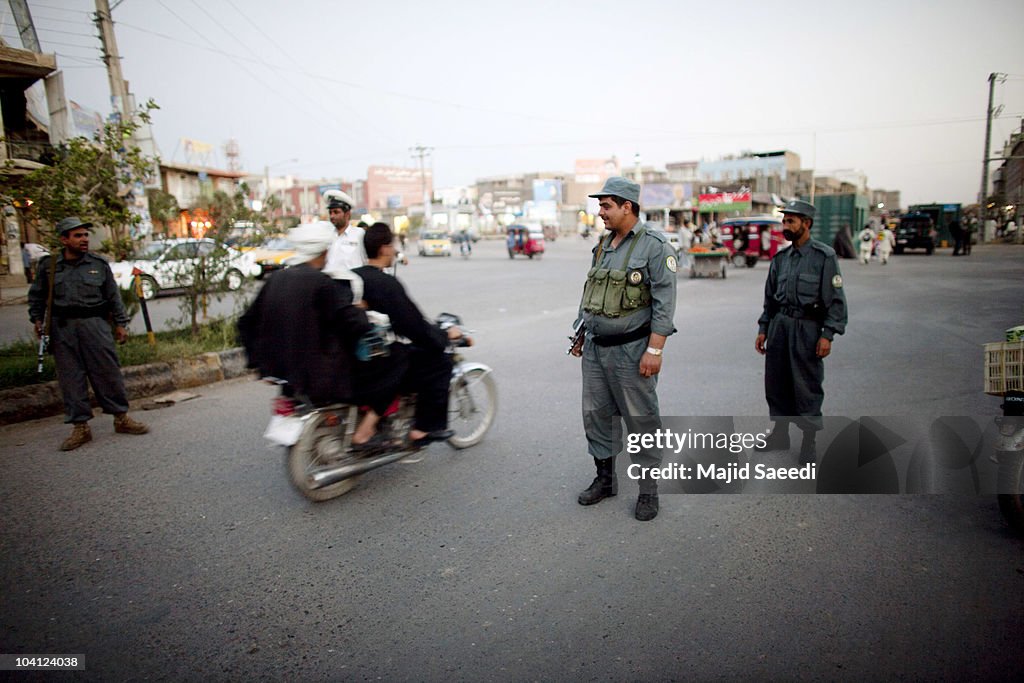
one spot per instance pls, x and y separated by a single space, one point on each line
111 57
421 152
983 194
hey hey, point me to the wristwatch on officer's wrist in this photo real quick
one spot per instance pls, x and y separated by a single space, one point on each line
653 351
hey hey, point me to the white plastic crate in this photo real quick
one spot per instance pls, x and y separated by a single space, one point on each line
1004 367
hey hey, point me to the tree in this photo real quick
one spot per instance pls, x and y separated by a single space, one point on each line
212 274
163 207
92 179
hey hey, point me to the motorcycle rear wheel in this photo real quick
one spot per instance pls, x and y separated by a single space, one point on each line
320 445
472 405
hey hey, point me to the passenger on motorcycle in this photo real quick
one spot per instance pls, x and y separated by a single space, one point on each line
302 326
429 367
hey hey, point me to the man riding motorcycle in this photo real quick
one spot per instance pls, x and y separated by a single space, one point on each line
302 328
429 368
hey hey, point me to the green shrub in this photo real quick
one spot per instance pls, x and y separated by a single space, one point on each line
18 361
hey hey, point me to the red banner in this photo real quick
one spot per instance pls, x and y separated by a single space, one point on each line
725 201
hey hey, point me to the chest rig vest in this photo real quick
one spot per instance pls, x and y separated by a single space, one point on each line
616 293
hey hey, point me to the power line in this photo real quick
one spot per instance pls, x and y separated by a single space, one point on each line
76 58
61 9
523 115
81 47
67 33
237 61
353 111
226 31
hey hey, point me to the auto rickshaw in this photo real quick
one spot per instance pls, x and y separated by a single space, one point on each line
524 240
752 238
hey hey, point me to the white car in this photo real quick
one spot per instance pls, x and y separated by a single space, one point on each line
173 263
673 240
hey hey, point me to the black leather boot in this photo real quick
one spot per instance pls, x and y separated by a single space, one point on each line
605 484
808 449
647 501
777 440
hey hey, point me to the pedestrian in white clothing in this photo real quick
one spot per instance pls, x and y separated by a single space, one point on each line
866 240
685 243
886 243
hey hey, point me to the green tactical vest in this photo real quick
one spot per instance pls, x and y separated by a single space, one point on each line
616 293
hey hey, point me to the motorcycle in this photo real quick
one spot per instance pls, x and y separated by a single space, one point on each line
319 455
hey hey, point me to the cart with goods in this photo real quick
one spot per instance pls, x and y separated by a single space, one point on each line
708 262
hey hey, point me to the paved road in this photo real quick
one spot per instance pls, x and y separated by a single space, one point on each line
184 554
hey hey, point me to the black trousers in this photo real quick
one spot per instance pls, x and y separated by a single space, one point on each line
429 375
378 381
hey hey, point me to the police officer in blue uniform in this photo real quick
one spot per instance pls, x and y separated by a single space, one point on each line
86 304
804 308
627 309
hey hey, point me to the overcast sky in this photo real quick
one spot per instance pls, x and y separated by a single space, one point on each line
896 89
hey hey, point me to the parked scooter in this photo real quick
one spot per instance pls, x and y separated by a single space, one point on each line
320 459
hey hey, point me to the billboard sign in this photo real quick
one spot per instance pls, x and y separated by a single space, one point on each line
725 201
547 191
85 123
666 195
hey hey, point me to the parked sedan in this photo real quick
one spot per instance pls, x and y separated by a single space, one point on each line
173 263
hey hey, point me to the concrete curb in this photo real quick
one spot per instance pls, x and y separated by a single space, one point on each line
141 381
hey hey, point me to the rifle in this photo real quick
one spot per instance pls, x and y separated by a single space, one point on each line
44 338
576 337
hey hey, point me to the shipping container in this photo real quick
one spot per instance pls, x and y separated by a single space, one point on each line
833 211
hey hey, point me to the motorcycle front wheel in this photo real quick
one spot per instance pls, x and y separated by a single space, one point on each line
321 444
472 405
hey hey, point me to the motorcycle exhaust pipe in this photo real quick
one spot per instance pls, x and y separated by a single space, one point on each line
332 475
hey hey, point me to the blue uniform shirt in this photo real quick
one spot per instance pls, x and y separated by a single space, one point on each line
802 277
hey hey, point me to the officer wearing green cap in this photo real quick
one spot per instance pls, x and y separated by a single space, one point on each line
804 308
85 304
628 306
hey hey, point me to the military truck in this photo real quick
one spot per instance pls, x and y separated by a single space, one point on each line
942 216
916 231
